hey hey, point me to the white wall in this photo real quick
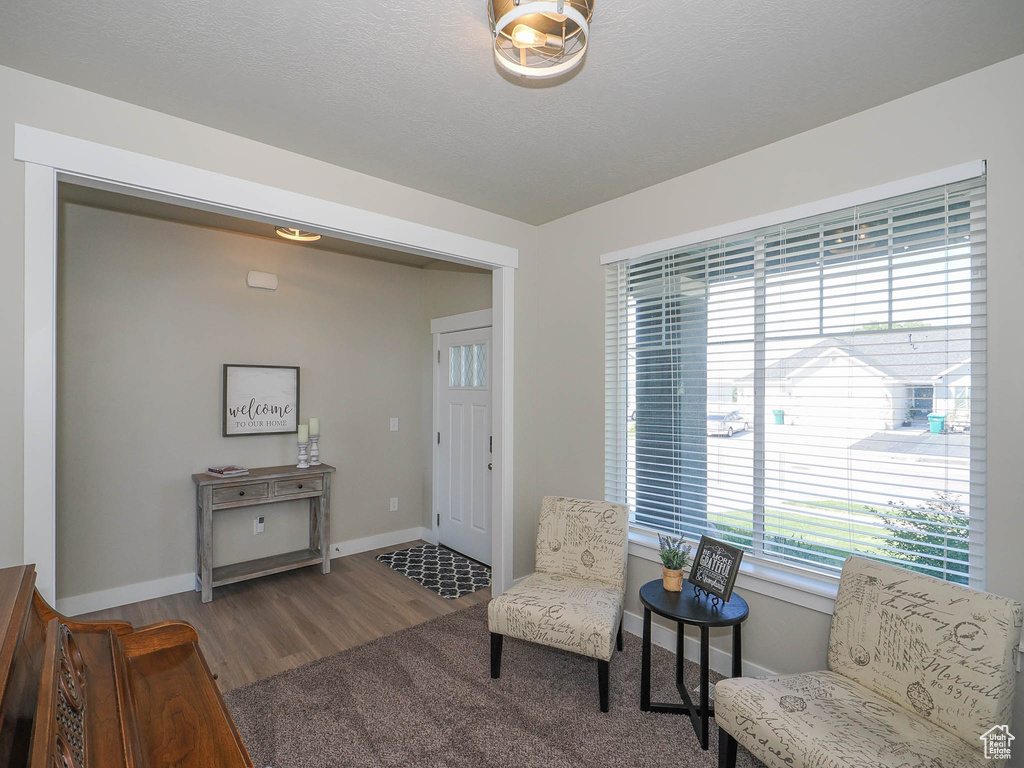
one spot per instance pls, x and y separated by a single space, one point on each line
52 106
978 116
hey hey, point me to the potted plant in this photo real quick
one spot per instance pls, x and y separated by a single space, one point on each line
674 554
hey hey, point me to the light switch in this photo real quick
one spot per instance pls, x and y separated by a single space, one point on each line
394 503
394 425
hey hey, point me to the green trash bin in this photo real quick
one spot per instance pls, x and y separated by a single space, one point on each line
780 416
936 422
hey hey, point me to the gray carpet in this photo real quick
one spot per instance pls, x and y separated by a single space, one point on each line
423 697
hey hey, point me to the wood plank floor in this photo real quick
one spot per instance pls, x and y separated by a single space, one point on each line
258 628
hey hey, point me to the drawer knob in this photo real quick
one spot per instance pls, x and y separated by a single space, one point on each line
300 485
241 493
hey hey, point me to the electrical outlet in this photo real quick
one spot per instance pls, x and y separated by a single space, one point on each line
258 525
394 425
394 503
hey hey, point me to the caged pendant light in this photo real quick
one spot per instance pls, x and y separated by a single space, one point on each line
540 38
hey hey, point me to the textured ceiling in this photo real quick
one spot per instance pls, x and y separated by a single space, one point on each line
407 90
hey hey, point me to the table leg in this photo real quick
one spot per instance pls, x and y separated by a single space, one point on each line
704 686
680 661
645 664
207 542
737 653
314 523
199 541
325 524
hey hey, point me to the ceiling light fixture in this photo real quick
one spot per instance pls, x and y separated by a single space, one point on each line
290 233
540 38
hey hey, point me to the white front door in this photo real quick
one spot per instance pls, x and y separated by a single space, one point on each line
462 391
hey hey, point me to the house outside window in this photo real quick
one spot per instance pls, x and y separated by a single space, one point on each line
847 353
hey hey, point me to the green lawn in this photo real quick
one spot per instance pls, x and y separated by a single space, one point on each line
925 544
792 522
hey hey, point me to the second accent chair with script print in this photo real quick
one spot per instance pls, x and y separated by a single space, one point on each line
574 599
919 669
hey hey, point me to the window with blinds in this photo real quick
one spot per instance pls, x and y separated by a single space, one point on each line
812 389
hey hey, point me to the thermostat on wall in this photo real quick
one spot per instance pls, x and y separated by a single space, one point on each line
263 280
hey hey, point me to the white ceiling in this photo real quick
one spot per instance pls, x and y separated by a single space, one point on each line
407 90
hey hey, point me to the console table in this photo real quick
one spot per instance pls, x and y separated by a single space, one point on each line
265 485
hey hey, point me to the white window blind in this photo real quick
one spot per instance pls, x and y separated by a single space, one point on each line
812 389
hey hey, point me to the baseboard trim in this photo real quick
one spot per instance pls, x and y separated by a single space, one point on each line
378 541
185 582
129 593
664 637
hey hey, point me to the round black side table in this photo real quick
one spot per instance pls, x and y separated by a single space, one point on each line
687 608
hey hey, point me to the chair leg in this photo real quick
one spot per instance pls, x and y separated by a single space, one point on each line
602 682
726 750
496 654
618 637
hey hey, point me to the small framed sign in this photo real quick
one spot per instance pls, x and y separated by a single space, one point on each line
260 400
715 567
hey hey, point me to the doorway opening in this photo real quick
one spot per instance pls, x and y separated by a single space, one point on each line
52 158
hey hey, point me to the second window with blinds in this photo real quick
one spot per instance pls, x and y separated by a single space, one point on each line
810 390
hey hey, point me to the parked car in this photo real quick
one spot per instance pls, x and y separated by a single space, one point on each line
726 424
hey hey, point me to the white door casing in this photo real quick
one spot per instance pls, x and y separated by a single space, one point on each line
463 446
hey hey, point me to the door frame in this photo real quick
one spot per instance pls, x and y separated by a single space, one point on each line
52 157
467 321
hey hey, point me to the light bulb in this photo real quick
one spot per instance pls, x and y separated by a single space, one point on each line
528 37
290 233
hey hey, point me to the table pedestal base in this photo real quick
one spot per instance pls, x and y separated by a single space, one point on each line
699 713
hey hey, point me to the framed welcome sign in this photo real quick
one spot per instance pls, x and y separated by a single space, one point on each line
260 400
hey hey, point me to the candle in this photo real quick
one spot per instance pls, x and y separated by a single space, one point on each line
314 426
303 433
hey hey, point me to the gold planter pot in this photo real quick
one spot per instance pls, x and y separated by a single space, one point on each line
672 580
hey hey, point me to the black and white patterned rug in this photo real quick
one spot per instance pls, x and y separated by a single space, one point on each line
440 570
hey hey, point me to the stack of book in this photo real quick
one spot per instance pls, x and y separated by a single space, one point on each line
229 470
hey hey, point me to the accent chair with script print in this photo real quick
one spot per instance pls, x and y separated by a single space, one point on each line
574 599
919 670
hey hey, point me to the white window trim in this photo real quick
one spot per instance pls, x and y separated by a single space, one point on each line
807 589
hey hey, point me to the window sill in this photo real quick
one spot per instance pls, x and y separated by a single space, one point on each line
806 589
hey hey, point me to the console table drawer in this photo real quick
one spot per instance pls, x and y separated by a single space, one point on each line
305 485
240 493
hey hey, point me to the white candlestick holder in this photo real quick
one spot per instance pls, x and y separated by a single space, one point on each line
314 450
303 456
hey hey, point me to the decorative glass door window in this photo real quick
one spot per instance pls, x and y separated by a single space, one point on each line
467 366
